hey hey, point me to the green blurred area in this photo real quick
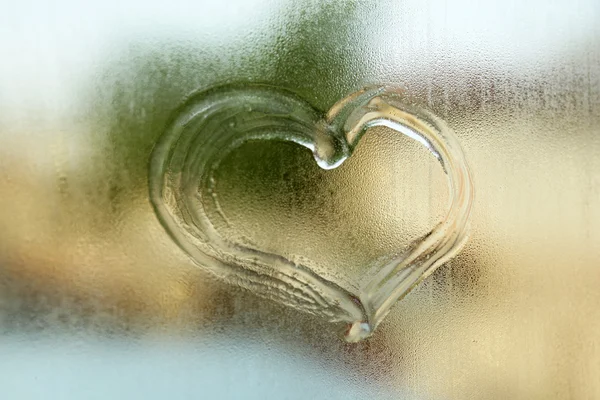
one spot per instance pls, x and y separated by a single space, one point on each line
138 92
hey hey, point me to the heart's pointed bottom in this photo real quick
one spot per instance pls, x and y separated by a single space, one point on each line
358 331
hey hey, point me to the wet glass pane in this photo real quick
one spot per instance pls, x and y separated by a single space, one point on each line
99 299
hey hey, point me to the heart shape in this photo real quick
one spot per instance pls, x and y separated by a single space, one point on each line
214 122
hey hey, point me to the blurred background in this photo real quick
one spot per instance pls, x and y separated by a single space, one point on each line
96 300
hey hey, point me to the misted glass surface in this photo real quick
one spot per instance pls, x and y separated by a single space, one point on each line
97 300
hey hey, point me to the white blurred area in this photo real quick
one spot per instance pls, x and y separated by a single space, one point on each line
78 368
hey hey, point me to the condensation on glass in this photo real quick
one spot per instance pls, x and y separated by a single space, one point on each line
95 293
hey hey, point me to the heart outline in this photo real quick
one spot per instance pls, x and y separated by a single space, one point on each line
215 121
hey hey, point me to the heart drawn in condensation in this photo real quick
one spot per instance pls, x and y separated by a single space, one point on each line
216 121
